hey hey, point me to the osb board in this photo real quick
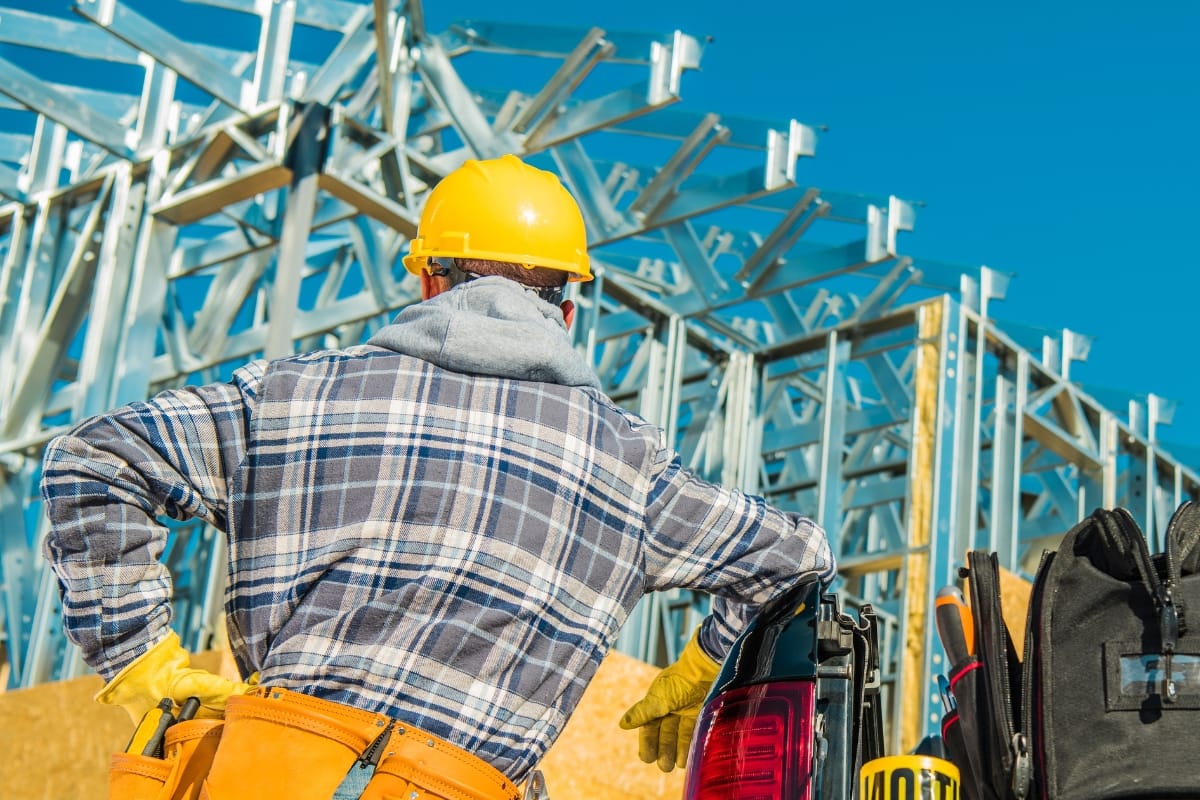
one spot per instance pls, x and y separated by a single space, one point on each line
1014 605
56 741
594 759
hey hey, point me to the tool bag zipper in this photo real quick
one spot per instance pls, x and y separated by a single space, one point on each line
1169 621
1172 619
993 652
1031 682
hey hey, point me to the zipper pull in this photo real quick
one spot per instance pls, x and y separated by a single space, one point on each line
370 756
1022 772
1172 691
1168 619
1168 622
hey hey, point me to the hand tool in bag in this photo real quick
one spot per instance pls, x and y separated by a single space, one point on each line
168 756
148 736
955 626
948 702
190 707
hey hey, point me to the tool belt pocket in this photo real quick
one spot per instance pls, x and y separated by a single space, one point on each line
188 751
137 777
416 764
279 743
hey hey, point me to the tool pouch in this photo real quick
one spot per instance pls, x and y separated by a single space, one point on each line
1105 702
191 745
1115 662
414 763
279 743
138 777
187 754
963 730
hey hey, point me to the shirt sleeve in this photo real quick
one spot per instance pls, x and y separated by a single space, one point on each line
729 544
105 484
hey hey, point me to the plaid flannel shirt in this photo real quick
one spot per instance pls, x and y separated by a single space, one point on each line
456 551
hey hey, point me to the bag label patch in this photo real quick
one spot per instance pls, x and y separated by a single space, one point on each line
1137 681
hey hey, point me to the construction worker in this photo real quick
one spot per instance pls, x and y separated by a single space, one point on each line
434 538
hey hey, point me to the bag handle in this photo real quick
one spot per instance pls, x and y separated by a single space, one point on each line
1124 543
1170 616
1183 537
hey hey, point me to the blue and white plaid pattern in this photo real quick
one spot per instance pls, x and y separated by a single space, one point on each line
456 551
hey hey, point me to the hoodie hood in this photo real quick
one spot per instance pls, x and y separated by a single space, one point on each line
490 326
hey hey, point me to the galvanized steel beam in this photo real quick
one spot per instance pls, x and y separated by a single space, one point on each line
151 242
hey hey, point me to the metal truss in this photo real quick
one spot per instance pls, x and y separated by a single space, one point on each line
237 204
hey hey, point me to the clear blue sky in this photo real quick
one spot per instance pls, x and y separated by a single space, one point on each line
1054 140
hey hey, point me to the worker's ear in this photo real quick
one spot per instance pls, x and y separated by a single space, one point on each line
568 311
432 285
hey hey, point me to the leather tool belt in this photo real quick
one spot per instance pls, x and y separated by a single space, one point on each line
187 753
280 743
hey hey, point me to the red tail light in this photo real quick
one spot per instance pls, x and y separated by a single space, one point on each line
754 743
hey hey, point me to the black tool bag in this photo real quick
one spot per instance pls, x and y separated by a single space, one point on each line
1115 700
1107 701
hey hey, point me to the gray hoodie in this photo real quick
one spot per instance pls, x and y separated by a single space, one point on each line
490 326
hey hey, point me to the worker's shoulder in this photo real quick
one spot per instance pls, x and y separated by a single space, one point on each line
624 422
311 358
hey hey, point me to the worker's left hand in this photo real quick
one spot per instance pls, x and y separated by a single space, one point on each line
165 671
666 716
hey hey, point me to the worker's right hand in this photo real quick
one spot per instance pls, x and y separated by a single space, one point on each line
164 671
666 716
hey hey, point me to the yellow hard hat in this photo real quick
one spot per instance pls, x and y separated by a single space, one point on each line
502 209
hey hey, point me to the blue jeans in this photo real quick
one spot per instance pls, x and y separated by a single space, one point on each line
354 783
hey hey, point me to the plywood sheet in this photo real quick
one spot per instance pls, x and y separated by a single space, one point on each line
1014 606
594 759
56 741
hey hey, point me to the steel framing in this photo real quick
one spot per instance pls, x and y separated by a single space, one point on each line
160 235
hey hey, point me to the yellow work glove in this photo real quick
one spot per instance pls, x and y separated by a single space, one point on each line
164 671
666 716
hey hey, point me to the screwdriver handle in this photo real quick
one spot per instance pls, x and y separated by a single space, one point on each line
189 709
955 624
148 736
